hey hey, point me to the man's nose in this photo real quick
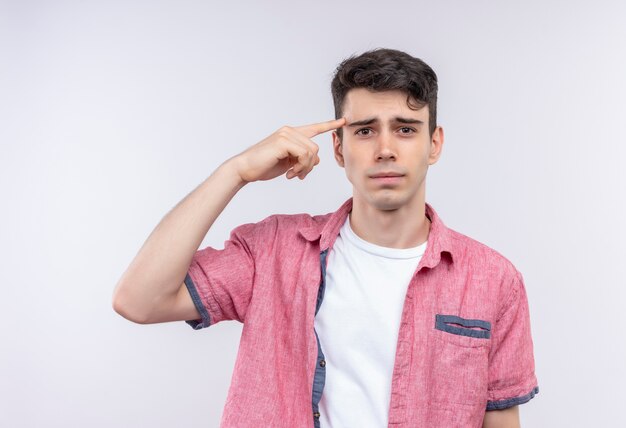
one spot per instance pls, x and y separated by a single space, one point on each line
385 147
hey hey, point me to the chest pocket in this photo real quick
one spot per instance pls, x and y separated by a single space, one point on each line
461 357
463 327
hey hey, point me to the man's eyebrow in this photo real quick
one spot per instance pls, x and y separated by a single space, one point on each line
398 119
363 122
408 120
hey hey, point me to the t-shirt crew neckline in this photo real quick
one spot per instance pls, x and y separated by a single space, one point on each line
391 253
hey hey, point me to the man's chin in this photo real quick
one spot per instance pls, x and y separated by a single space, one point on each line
387 201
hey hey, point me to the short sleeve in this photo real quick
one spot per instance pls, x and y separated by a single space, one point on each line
512 379
220 281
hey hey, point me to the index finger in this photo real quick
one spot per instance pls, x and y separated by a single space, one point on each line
319 128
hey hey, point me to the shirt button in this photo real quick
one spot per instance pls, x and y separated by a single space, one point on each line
316 414
323 363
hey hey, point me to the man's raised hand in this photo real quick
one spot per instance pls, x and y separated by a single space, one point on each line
289 150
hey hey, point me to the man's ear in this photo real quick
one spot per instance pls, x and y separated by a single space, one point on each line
338 149
436 145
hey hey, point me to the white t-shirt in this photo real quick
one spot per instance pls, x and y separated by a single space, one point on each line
357 326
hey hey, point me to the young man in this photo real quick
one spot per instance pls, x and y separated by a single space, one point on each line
374 315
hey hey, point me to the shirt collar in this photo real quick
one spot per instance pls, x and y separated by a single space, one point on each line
440 238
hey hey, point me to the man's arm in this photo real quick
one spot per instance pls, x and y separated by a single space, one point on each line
152 288
507 418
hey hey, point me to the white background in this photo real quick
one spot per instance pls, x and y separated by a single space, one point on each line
112 111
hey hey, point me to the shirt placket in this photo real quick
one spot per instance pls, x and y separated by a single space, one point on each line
319 378
402 364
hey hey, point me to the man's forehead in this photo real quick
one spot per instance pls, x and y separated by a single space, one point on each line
361 103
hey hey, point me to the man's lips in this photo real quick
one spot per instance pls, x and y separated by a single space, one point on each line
388 178
386 174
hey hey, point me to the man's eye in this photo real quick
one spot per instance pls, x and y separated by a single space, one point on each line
359 132
407 129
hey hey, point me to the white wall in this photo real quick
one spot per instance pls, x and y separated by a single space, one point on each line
111 112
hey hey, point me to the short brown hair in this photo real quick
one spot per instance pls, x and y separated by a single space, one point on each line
387 69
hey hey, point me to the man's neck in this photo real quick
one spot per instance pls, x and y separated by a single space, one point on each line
405 227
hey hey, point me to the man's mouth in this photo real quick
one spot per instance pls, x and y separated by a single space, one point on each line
387 174
387 177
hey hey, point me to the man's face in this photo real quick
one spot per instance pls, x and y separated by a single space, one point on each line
383 135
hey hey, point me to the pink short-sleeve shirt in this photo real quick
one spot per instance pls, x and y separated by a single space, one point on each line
464 345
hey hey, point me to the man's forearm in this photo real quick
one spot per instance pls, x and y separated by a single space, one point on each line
507 418
159 268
